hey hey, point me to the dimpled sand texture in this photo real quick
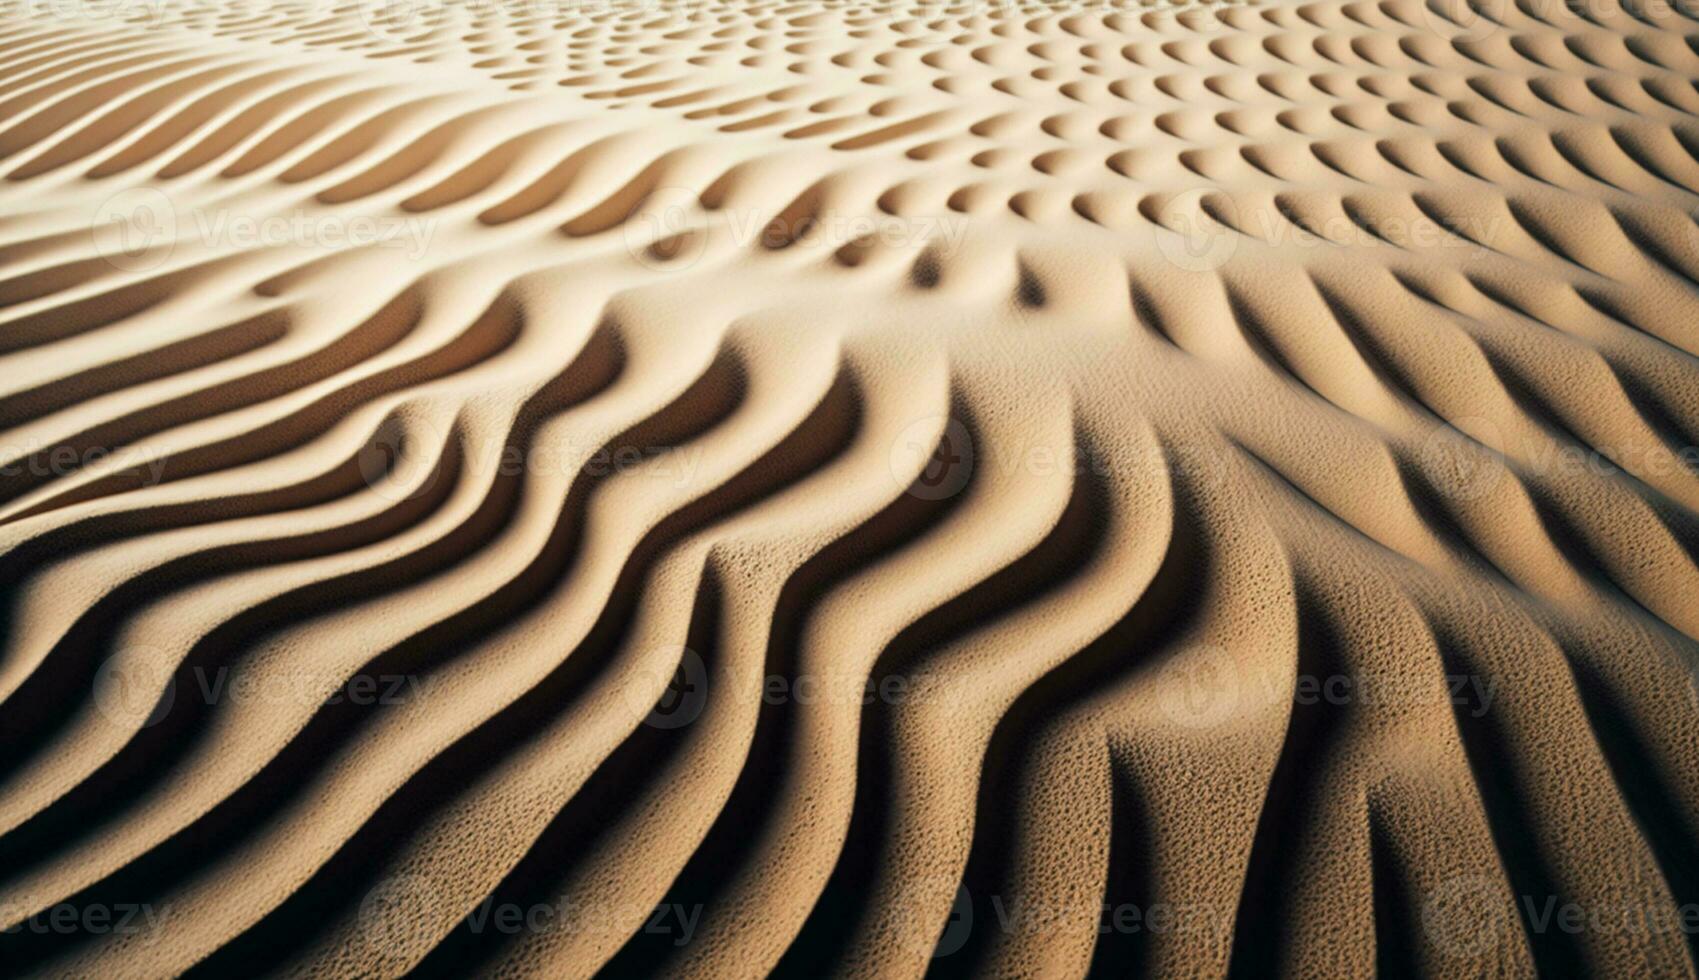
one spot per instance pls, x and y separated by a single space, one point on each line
718 489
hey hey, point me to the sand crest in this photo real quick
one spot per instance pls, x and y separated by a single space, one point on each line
666 488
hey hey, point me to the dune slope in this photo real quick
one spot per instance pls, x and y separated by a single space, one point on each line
853 488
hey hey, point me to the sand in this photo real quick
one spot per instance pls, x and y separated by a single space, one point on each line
538 488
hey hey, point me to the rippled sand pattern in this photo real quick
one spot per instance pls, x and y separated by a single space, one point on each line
843 488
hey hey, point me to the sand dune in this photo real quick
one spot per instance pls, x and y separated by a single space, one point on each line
721 489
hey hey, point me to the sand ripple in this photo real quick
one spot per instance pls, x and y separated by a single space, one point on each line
1016 489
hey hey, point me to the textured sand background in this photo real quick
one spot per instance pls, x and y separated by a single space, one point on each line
1006 489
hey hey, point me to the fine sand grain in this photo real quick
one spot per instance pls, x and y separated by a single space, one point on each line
554 488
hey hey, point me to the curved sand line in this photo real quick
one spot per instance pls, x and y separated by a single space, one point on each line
849 488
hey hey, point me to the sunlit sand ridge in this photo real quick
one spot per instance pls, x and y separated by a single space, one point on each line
700 490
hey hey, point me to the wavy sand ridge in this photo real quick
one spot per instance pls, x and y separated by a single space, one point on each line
849 488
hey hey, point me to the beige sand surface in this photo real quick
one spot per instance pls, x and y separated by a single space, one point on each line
541 488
